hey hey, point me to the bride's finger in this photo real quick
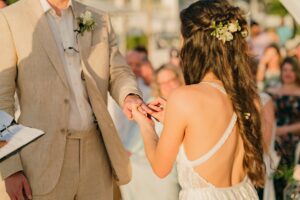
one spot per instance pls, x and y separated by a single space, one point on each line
158 101
156 108
162 101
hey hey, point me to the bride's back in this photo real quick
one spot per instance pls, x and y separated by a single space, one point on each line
209 114
214 49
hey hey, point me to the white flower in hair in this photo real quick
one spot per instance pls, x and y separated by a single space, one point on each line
228 37
234 26
225 32
244 33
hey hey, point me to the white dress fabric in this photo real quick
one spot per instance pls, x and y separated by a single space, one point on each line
195 187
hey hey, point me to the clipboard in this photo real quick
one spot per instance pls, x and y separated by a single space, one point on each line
14 136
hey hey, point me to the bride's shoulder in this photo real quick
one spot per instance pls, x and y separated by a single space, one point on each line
184 95
180 100
182 92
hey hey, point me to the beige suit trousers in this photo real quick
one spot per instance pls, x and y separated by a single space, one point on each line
86 172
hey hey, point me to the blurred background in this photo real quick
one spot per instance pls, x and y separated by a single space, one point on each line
155 23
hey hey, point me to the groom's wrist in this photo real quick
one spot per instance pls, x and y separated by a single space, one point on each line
132 94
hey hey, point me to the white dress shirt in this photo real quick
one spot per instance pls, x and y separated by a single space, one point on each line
81 115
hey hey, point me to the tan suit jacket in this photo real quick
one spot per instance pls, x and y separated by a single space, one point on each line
30 64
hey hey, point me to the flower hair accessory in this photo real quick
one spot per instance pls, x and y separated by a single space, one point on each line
85 23
225 31
247 116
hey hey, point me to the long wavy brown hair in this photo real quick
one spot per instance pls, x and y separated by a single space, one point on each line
230 61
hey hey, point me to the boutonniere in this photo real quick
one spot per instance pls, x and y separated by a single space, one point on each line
85 23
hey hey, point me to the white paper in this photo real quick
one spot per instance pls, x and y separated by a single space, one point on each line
16 135
5 119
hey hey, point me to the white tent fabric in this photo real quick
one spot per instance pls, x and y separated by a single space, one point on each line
293 6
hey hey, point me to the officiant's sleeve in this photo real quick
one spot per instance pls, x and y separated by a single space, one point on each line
122 80
8 74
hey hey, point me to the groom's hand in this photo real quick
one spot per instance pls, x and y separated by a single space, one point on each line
132 100
17 186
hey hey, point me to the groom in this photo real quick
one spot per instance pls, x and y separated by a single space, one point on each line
62 78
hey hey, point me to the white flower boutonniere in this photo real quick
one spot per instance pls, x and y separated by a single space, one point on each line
85 23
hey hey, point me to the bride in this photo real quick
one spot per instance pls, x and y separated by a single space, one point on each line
212 125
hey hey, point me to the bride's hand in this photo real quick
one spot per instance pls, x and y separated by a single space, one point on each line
158 106
140 117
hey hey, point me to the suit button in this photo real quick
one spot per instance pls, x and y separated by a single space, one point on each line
66 101
62 130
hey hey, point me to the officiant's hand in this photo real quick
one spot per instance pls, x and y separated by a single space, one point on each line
17 186
132 100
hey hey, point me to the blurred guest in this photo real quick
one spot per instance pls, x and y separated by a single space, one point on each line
144 184
268 71
167 78
128 130
271 32
270 157
147 72
146 68
287 108
174 57
284 33
143 51
259 39
135 59
2 4
297 53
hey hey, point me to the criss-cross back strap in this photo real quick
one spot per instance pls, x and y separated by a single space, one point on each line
217 146
223 139
215 85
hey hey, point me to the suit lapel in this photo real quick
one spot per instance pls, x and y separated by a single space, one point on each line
45 35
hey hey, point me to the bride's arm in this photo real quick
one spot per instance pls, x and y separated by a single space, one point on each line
162 152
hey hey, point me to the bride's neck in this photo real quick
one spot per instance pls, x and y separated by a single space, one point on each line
211 77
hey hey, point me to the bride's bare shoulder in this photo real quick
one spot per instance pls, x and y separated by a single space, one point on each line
186 95
183 92
181 100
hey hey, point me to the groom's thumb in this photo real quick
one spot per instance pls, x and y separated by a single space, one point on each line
27 189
